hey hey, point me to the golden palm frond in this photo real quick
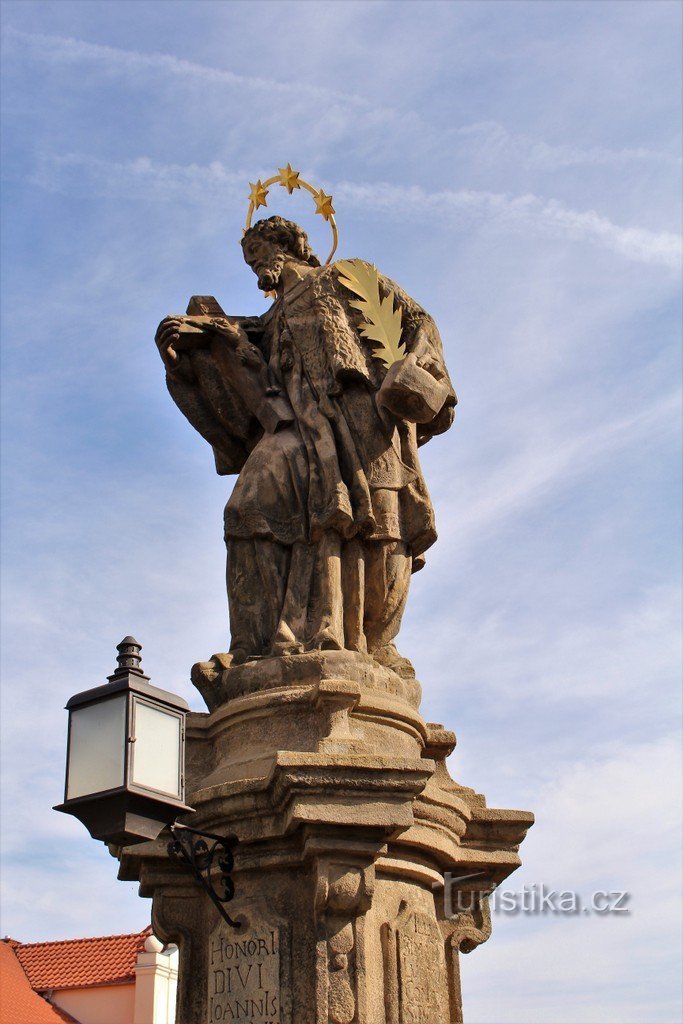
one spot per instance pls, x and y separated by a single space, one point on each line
382 321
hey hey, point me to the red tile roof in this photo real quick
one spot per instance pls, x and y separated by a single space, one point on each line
80 963
19 1004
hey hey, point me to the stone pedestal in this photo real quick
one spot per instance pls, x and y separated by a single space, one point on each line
347 820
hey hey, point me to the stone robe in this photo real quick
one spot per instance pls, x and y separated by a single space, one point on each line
330 512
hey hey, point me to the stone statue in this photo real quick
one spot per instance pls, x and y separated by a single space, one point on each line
362 869
330 513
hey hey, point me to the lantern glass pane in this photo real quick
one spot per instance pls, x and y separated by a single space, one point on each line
97 747
156 751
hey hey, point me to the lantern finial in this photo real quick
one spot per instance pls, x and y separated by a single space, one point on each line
129 658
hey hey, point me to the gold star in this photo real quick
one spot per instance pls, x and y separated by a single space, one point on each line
289 178
323 204
258 194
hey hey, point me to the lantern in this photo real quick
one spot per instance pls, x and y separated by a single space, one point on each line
126 755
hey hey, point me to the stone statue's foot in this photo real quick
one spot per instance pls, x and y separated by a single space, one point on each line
325 640
221 679
281 648
238 655
284 642
389 657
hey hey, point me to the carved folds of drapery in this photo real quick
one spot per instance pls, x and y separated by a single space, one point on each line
343 895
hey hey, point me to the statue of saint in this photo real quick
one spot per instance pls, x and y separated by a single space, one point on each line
330 514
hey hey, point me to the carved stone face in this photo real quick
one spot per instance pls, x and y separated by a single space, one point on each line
266 259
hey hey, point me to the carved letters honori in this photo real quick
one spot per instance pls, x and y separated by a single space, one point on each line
244 978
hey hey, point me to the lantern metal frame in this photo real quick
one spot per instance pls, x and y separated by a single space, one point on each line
130 812
135 813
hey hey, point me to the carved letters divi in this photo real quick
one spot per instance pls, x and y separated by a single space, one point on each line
244 978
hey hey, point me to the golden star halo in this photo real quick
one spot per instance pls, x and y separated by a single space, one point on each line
323 204
258 194
290 179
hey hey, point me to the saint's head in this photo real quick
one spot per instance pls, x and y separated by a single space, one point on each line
272 242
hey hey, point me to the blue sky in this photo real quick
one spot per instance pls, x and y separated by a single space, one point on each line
516 167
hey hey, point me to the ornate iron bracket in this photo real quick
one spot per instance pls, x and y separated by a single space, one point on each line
201 857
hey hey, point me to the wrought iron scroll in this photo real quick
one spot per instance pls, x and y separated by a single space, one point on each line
202 855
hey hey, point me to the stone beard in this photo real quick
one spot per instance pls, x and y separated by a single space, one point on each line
330 512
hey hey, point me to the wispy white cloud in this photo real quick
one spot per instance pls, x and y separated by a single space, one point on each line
68 889
212 184
591 661
555 460
547 217
356 120
641 785
623 801
493 142
68 50
141 178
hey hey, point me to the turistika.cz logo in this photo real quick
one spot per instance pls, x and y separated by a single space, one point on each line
530 899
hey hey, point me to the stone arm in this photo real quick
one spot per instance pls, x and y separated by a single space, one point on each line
218 378
424 352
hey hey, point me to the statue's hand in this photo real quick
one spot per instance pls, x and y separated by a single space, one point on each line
411 391
168 333
237 338
424 358
232 333
250 356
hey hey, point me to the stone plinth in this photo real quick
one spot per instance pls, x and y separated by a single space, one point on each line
347 820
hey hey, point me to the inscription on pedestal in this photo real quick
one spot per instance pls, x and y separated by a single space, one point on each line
416 970
421 972
244 977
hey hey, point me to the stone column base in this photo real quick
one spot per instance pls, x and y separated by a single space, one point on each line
347 820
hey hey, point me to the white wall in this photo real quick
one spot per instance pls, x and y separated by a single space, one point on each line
151 999
156 980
